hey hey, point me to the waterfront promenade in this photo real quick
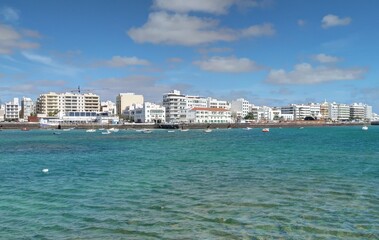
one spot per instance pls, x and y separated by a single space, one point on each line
294 124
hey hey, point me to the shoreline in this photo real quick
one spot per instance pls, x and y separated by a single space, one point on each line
29 126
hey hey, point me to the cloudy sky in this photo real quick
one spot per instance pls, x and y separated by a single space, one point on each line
271 52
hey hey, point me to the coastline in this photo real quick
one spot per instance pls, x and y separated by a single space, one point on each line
30 126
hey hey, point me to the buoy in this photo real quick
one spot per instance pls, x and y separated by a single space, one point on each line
45 170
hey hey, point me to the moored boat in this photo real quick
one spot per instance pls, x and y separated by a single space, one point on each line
265 130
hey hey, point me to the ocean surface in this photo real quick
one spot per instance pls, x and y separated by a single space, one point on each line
290 183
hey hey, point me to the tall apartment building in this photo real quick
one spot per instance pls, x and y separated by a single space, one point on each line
343 112
12 110
27 108
357 111
126 100
175 104
240 107
2 112
52 103
196 101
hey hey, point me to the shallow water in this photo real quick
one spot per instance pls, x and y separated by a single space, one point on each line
311 183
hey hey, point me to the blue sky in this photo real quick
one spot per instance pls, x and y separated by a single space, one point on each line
271 52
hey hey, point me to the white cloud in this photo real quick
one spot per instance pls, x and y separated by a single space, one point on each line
9 14
182 29
323 58
301 22
304 73
118 61
228 64
11 39
266 29
51 65
184 6
207 6
331 20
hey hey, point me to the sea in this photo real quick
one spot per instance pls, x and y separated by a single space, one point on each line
289 183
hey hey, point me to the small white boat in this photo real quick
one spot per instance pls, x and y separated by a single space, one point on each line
146 131
91 130
106 132
184 130
56 133
247 128
45 170
208 130
171 131
265 130
67 129
114 129
101 129
364 128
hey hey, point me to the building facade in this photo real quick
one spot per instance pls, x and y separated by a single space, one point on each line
52 103
27 108
12 110
240 107
126 100
175 105
148 113
209 115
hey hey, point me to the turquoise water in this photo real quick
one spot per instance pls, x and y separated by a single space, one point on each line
311 183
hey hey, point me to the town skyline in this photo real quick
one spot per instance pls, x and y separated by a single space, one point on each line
269 52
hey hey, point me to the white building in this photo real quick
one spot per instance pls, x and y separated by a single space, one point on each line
343 112
214 103
368 112
52 103
175 105
108 107
315 110
149 113
126 100
209 115
357 111
240 107
2 112
196 101
27 108
12 110
333 111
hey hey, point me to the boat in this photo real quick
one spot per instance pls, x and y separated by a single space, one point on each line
364 128
66 129
208 130
24 129
91 130
56 133
114 129
171 131
184 130
106 132
265 130
247 128
146 131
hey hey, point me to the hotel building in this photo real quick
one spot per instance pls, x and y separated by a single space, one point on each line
51 103
209 115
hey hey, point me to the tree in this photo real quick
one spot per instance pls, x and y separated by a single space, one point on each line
249 116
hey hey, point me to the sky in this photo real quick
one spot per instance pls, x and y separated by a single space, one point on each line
270 52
